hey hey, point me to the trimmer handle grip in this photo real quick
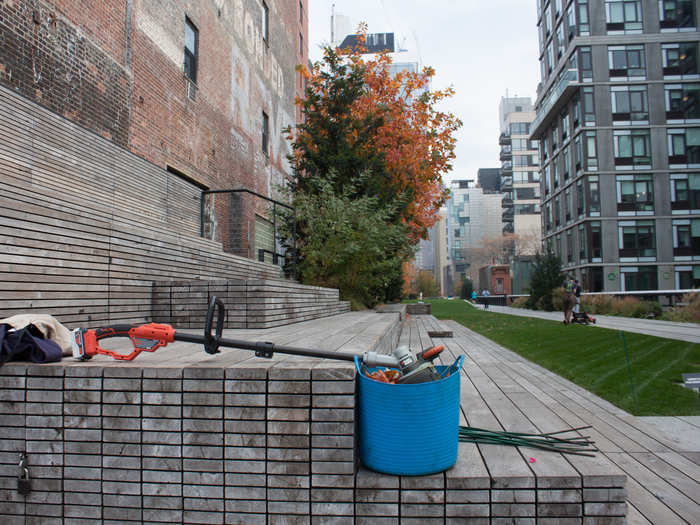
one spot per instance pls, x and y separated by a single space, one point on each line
145 338
211 342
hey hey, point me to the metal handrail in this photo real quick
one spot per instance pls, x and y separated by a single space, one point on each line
274 219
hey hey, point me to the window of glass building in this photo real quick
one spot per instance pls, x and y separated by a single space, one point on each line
585 64
683 147
687 277
682 102
570 245
596 242
564 125
623 16
557 8
584 28
576 111
685 192
590 150
526 209
637 240
555 137
686 239
626 62
638 278
629 104
571 22
582 243
677 15
593 196
580 200
588 107
632 148
528 193
561 40
635 194
680 60
557 211
566 162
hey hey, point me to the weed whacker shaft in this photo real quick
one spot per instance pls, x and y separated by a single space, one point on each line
150 337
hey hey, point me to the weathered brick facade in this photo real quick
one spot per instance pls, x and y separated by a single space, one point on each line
116 68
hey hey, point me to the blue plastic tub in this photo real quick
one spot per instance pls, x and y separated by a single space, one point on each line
412 429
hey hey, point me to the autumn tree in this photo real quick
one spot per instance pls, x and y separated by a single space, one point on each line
369 133
359 118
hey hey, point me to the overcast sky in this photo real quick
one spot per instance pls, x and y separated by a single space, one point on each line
482 48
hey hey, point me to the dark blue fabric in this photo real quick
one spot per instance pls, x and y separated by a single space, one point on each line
22 345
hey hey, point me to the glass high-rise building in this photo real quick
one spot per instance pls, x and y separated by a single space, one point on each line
520 173
618 124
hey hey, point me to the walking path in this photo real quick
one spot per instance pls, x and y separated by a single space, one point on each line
682 331
501 389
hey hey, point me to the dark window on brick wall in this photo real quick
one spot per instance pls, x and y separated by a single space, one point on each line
191 45
265 23
265 132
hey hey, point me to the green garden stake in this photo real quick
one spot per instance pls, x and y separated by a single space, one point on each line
621 335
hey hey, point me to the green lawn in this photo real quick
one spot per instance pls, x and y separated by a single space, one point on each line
594 357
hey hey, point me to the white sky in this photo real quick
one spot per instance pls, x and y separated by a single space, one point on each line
480 47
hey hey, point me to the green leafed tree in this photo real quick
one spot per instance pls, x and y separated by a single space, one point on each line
546 277
349 243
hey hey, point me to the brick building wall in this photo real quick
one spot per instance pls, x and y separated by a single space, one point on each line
117 68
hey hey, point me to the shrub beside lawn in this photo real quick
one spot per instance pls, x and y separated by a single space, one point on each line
594 357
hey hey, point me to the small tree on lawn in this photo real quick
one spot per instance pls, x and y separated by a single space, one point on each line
546 276
467 289
427 284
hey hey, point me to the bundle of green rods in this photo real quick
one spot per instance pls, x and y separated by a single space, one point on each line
579 445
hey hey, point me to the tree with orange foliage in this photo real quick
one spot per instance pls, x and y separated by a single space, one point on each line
374 134
379 131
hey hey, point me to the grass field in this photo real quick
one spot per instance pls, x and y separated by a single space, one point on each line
594 357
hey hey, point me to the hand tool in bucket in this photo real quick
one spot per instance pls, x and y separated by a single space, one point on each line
149 337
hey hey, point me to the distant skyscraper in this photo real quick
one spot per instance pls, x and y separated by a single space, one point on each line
473 215
618 124
520 172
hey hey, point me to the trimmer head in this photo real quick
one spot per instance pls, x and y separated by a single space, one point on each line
78 342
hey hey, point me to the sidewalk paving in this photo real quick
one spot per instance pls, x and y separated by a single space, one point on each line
682 331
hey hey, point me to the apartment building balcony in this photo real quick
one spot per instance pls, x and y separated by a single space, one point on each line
506 154
506 184
508 227
508 214
504 139
560 93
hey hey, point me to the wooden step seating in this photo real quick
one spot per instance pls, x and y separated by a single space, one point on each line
230 438
251 303
86 227
182 436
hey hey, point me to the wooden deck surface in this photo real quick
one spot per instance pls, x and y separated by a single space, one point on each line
649 477
501 390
